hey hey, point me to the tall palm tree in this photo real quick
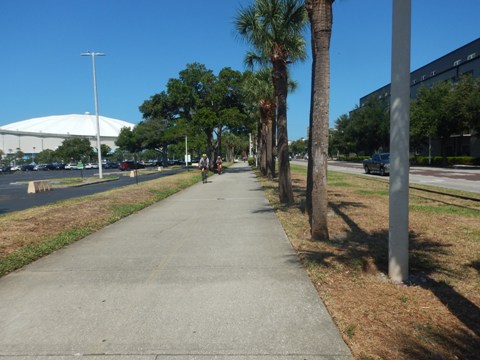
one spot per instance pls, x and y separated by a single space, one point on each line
274 29
259 89
320 15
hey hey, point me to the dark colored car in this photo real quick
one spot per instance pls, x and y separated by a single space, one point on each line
110 165
130 165
379 163
174 162
57 166
6 168
27 167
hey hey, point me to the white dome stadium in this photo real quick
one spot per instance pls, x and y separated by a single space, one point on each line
48 132
73 124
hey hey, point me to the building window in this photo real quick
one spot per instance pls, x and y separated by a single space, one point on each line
433 73
456 63
471 56
414 81
423 77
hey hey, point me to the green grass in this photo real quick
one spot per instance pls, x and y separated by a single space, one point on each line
445 209
30 253
372 192
298 169
33 252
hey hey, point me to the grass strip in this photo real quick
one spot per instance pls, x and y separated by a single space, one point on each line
46 229
30 253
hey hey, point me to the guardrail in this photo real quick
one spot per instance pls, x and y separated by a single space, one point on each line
38 186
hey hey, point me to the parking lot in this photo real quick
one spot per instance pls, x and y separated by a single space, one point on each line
13 186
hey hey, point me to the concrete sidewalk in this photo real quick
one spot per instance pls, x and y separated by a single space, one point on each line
205 274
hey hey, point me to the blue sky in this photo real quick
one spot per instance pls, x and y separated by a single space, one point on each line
149 41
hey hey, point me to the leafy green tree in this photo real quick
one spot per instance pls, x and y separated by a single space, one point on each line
106 150
47 156
199 105
434 113
75 149
340 141
127 141
233 145
299 147
466 102
274 29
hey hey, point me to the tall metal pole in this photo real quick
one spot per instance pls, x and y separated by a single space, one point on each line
186 151
399 141
99 146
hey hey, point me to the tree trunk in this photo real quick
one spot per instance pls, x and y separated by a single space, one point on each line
262 149
268 115
320 15
280 81
273 139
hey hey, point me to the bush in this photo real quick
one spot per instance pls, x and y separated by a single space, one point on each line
251 161
444 161
352 158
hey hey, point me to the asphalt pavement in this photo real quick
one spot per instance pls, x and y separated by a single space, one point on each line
14 196
205 274
461 178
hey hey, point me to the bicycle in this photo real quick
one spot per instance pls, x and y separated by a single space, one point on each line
204 174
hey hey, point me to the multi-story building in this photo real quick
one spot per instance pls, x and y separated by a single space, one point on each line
450 67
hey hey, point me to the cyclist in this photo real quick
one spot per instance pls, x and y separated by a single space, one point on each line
219 165
204 165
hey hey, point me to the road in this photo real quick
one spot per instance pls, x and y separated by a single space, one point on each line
458 179
14 196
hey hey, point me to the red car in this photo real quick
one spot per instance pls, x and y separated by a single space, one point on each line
130 165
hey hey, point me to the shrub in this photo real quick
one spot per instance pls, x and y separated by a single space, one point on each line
444 161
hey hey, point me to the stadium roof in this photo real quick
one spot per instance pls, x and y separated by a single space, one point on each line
73 124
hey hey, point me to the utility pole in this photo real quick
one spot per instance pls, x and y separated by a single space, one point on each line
399 141
99 146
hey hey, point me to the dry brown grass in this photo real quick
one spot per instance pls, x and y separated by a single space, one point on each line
35 226
436 315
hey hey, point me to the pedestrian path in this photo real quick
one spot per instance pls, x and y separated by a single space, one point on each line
205 274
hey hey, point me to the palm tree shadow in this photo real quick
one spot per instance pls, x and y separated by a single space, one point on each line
368 252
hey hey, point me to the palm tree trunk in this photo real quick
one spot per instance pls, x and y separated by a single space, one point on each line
273 141
320 14
262 141
280 81
267 110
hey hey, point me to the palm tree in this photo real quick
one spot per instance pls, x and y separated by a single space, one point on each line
259 90
274 29
320 15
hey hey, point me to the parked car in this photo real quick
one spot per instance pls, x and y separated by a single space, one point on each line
174 162
16 168
57 166
70 166
110 165
6 168
40 167
379 163
51 166
28 167
130 165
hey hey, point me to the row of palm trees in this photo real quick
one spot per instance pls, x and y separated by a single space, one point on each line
274 29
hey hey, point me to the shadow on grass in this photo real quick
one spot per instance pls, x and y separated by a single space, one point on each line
364 250
423 263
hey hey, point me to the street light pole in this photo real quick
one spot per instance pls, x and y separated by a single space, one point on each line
99 152
399 141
